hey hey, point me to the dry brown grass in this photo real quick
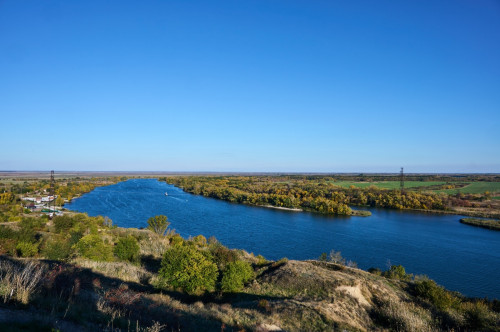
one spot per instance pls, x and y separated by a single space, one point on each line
402 316
20 281
121 270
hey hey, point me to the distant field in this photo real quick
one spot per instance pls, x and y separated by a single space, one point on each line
476 188
387 184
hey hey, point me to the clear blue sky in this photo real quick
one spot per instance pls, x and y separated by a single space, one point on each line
271 85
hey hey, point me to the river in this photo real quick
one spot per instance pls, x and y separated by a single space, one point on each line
460 257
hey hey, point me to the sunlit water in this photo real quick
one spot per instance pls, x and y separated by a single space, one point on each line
460 257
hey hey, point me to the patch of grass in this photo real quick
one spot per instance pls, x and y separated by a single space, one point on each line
475 188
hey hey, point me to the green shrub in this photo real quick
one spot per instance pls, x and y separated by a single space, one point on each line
62 224
32 223
397 272
437 295
477 315
57 250
26 249
93 247
187 268
235 276
176 240
223 256
261 260
200 241
158 224
127 249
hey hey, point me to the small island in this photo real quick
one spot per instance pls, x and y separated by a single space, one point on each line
484 223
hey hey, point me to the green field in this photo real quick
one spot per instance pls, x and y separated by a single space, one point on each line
476 188
387 184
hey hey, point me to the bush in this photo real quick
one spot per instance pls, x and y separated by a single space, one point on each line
26 249
437 295
187 268
63 224
158 224
476 315
223 256
200 241
93 247
176 240
397 272
127 249
236 275
57 250
32 223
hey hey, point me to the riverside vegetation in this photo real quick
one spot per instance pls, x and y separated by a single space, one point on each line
330 194
81 273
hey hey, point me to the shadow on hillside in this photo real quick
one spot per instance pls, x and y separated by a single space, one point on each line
90 299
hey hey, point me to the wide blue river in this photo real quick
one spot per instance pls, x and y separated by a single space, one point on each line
460 257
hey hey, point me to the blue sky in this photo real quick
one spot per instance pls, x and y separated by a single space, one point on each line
281 85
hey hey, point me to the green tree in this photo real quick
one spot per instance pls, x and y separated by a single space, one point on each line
158 224
236 275
188 268
127 249
93 247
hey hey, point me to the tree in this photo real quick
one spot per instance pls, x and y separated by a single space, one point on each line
127 249
236 275
93 247
186 267
158 224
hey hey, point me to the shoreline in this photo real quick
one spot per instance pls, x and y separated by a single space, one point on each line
281 208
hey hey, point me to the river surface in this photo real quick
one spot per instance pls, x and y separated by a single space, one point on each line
460 257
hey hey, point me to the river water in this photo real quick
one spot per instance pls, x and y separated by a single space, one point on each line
460 257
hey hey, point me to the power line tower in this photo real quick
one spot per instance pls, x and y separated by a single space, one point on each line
402 180
52 191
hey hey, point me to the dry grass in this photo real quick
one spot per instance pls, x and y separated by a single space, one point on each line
20 282
153 245
121 270
402 316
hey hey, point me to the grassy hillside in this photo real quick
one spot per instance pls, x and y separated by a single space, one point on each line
82 274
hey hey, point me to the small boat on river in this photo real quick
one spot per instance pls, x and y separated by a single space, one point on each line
166 194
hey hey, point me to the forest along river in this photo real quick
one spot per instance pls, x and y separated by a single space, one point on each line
460 257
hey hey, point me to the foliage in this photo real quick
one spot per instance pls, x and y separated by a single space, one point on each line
477 315
176 240
336 257
127 249
26 249
62 224
313 193
397 272
199 240
158 224
236 275
57 249
93 247
437 295
222 255
187 268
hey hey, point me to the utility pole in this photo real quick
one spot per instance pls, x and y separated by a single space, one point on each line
402 180
52 190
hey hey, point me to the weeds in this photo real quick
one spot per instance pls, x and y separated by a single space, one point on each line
20 282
